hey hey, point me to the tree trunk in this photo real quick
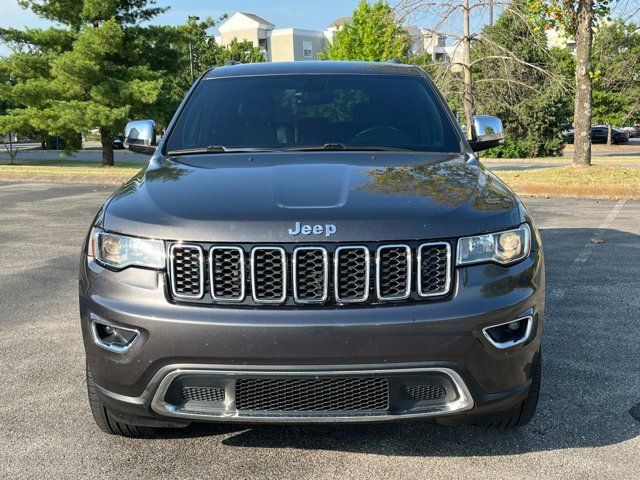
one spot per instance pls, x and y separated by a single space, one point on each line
609 128
106 139
467 94
582 112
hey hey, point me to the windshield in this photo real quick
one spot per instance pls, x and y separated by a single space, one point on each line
300 111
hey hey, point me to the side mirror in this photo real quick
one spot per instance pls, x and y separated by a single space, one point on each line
487 132
140 136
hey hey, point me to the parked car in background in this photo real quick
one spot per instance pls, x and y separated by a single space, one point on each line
599 134
634 131
118 143
568 136
619 135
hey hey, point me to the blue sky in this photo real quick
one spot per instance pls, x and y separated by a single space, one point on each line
283 13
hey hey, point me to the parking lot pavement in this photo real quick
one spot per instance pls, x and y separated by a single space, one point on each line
584 427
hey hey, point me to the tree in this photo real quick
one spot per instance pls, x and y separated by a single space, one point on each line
206 53
373 34
25 75
526 88
102 68
616 74
93 71
456 77
577 18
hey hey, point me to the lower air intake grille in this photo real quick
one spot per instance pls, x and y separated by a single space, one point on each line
423 392
203 394
312 395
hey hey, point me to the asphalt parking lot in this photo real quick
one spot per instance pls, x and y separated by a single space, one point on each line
585 426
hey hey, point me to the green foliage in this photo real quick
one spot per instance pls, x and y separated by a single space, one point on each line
373 34
75 13
90 74
561 14
206 53
519 80
616 69
102 68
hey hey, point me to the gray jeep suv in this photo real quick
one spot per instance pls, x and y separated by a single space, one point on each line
312 242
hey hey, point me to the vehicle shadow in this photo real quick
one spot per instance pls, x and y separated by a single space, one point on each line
591 380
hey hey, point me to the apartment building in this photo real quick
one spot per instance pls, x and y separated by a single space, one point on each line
295 44
278 44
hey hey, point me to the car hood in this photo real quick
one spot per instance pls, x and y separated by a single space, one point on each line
257 198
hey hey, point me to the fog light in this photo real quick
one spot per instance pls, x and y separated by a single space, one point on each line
509 334
115 339
513 326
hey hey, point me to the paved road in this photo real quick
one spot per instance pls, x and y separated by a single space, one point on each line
584 427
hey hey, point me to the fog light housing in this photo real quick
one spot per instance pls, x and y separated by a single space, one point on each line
509 334
112 338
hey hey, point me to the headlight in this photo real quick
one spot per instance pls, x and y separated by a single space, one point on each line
502 247
120 251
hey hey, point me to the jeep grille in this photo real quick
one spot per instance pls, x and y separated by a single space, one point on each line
320 275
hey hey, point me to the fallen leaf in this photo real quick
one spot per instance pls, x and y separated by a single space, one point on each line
597 240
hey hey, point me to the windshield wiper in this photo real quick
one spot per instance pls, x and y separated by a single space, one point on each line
353 148
217 149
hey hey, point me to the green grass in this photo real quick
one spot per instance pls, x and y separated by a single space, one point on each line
626 160
68 171
599 181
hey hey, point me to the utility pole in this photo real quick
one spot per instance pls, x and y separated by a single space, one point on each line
467 93
191 60
193 18
491 12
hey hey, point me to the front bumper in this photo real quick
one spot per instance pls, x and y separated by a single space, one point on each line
391 341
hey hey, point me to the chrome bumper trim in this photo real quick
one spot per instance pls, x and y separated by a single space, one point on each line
161 407
510 343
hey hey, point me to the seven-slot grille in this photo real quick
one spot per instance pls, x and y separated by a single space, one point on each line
352 271
434 277
310 275
187 271
349 274
312 395
269 274
227 273
393 274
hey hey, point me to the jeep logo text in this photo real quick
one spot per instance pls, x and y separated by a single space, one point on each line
328 229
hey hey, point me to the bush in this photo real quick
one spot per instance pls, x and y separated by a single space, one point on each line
509 149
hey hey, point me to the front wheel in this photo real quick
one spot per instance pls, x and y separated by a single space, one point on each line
106 422
523 413
515 417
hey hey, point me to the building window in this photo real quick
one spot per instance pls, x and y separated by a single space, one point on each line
307 49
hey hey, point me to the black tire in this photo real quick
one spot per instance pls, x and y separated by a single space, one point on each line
523 413
106 422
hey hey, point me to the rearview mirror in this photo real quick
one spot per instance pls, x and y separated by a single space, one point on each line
140 136
487 132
